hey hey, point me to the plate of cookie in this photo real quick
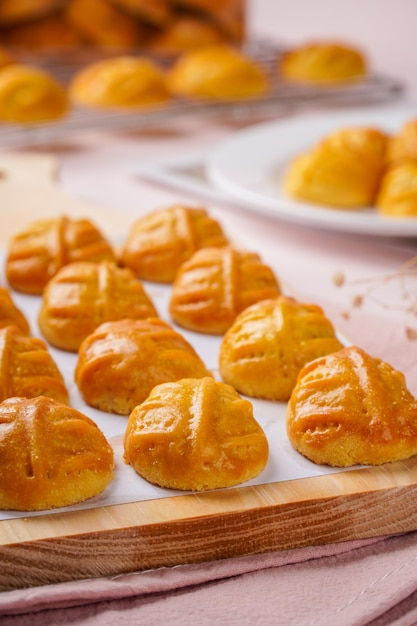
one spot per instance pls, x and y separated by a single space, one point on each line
329 170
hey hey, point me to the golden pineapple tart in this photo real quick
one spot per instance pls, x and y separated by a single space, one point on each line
120 362
264 350
126 82
195 434
343 170
27 369
349 408
397 196
30 95
158 243
215 285
83 295
323 63
11 314
36 253
218 72
51 455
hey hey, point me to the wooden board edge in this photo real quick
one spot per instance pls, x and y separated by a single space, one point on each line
193 528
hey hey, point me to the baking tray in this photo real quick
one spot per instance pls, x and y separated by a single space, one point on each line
283 99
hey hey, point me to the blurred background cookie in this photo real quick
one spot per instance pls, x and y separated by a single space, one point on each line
218 72
343 170
121 82
29 94
323 63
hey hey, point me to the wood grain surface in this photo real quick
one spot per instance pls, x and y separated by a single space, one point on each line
193 528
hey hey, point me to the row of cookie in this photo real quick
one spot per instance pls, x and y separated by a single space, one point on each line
357 167
215 72
128 82
154 247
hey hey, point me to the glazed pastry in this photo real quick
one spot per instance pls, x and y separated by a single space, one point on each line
397 195
195 434
51 455
120 362
29 95
215 285
218 72
157 244
83 295
183 34
99 23
121 82
10 314
349 408
37 253
323 63
264 350
343 170
27 369
403 146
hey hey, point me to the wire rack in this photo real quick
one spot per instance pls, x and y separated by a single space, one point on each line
283 98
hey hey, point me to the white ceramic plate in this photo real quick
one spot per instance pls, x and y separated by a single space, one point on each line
250 165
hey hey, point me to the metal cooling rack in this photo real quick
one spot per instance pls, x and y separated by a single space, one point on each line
282 99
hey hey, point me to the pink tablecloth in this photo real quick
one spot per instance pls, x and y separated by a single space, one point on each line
372 583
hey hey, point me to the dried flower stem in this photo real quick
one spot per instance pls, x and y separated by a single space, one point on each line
406 271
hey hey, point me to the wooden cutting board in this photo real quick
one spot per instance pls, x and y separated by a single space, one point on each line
191 528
